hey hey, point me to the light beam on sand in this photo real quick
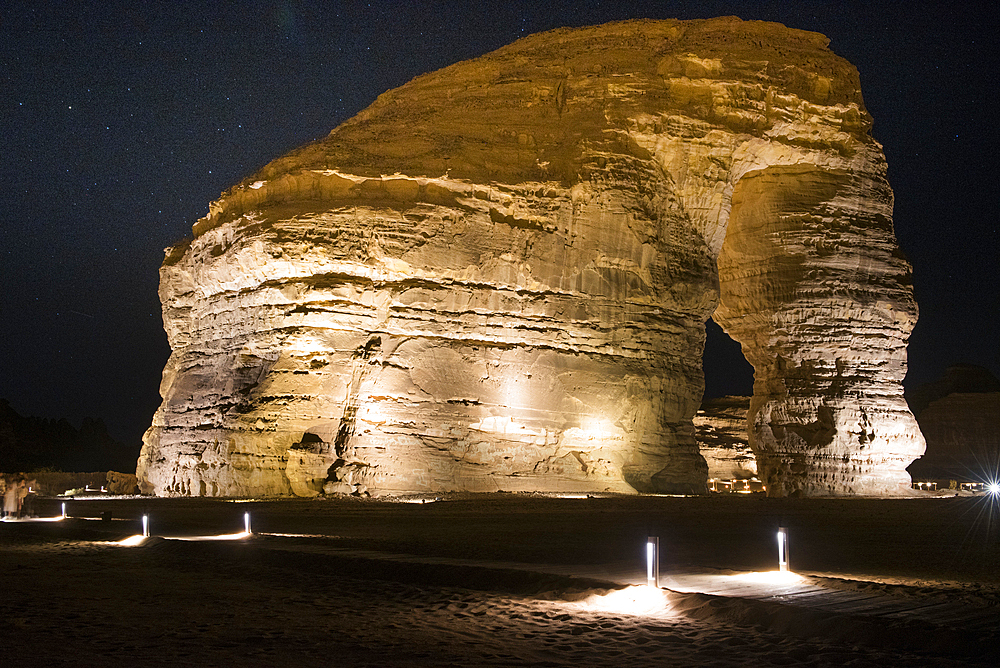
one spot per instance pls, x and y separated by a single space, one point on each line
139 539
768 577
223 536
632 600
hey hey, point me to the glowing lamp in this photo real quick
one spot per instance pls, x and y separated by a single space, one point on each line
993 488
653 562
246 522
782 549
64 509
145 526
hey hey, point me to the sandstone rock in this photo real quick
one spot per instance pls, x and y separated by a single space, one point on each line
338 488
721 432
963 438
959 378
497 276
121 483
959 415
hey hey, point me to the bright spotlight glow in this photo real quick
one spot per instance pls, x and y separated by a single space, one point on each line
633 600
246 523
64 509
782 549
145 526
993 488
653 561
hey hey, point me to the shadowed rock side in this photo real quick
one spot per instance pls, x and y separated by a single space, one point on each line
959 415
497 276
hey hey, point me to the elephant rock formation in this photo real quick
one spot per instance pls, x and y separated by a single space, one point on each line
497 276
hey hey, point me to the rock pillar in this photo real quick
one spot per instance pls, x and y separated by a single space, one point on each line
813 287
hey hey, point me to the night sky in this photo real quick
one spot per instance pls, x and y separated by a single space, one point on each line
121 122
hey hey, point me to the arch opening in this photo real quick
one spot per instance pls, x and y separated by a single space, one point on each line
721 421
727 371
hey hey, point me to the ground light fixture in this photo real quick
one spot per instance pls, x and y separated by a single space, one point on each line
64 509
783 549
145 526
653 561
246 522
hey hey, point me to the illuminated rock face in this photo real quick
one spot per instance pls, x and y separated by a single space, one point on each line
497 276
721 432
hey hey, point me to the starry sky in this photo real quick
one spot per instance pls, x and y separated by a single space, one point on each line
121 121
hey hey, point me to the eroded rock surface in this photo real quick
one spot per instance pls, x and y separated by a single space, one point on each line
497 276
721 432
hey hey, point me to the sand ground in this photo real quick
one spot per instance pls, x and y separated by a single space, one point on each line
494 580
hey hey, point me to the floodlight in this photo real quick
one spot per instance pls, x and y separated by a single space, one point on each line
64 509
246 522
653 561
782 549
145 526
993 488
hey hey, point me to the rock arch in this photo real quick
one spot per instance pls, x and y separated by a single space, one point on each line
818 296
535 239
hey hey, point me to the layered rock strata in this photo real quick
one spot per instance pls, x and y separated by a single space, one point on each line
497 276
721 433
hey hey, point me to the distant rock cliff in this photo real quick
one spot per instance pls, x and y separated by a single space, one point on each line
33 443
497 276
959 415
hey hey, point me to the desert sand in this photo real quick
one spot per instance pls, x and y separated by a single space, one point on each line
501 580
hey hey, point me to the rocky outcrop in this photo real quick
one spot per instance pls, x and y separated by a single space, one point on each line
959 415
34 444
963 438
497 276
721 432
956 379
